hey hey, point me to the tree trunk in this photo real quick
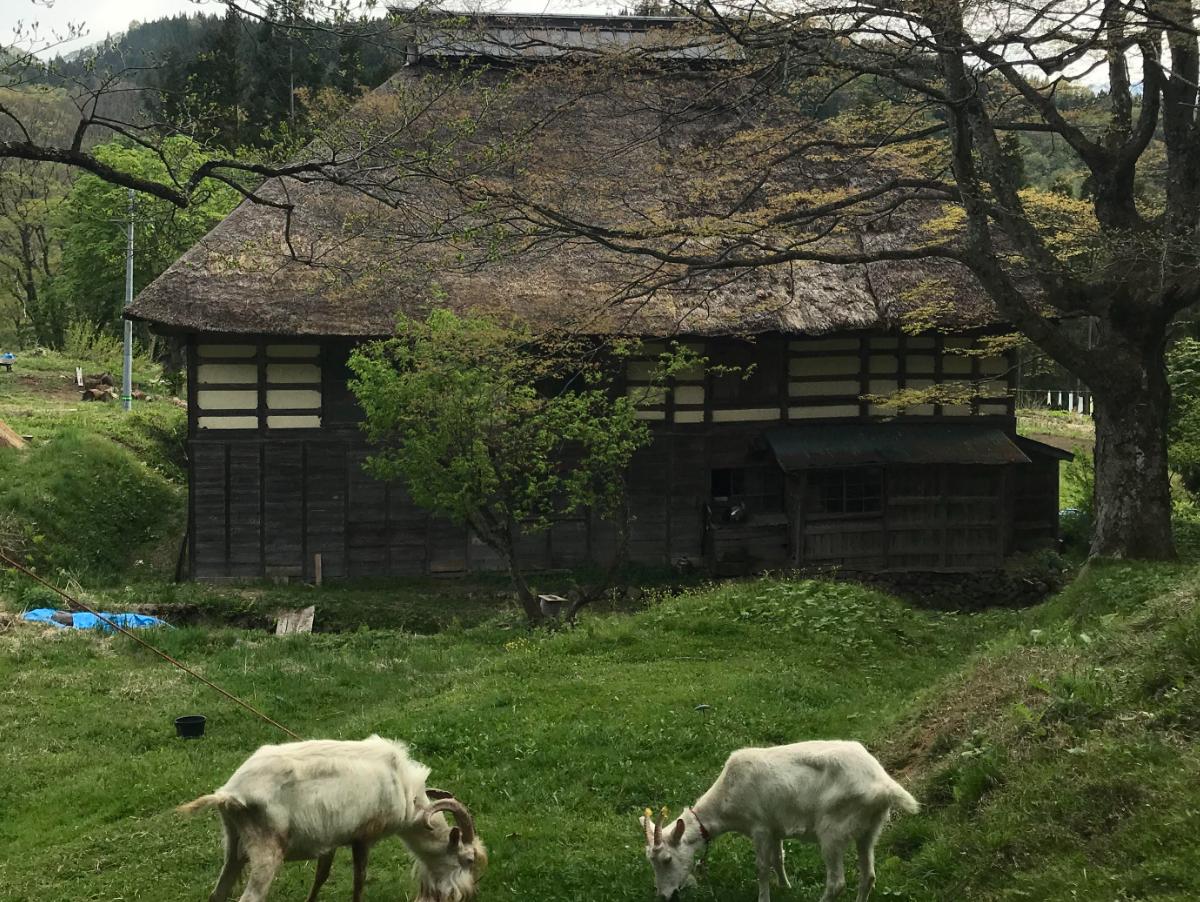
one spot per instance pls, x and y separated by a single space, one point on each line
1133 495
615 565
533 610
500 539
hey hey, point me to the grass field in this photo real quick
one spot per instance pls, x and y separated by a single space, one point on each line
1071 431
557 740
39 399
1054 748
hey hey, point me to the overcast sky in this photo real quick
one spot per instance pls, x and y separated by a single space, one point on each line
104 17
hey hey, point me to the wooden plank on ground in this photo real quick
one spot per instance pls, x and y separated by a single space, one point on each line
9 439
298 621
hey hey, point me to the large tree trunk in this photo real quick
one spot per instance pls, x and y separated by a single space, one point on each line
1133 496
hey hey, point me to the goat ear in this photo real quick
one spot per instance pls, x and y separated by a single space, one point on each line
455 838
677 833
438 794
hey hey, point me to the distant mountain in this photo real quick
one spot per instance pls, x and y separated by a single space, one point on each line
229 74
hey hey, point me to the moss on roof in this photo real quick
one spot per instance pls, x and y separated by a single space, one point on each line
418 222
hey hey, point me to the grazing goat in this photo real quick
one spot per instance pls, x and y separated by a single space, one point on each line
824 792
303 800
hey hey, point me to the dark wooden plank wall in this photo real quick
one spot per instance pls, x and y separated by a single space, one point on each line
264 501
1034 503
933 518
313 496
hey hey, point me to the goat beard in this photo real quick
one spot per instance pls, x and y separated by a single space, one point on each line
459 886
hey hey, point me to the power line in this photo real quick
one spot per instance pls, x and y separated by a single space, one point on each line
142 642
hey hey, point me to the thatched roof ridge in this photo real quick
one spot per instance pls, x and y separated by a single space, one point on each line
363 260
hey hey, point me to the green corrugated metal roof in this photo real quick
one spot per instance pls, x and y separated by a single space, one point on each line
1033 446
862 444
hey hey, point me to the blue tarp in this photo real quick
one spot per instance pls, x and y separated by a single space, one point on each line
81 620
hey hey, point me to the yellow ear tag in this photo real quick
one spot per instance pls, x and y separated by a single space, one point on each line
649 814
665 812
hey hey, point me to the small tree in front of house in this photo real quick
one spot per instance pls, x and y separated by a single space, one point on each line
497 429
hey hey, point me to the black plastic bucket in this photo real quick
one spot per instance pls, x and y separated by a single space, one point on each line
190 726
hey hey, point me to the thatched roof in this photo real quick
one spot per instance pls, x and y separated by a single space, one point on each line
600 147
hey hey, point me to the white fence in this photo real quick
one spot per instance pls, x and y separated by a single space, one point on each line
1074 400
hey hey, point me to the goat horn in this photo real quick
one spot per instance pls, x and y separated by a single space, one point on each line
658 825
461 815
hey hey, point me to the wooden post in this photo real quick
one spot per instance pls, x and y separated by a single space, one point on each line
317 568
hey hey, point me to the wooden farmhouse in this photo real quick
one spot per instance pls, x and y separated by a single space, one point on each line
793 460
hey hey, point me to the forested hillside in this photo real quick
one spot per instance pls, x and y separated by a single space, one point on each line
217 85
234 74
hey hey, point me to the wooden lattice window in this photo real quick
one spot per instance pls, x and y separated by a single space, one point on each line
251 385
854 491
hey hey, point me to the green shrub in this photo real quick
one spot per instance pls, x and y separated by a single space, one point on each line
84 341
978 771
1079 483
1078 495
35 596
84 502
1079 698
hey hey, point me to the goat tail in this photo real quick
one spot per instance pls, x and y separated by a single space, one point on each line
899 797
221 800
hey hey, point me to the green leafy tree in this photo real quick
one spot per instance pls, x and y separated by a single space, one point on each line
228 80
30 193
89 285
954 80
348 75
497 431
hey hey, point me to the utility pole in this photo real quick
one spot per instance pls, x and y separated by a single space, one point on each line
291 64
127 356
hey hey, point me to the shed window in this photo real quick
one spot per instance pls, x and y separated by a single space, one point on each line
852 491
758 489
728 482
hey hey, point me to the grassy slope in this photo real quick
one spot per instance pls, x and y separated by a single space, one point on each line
1054 748
80 502
1063 763
1072 431
39 399
99 489
557 740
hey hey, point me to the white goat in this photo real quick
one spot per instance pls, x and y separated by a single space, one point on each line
303 800
824 792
